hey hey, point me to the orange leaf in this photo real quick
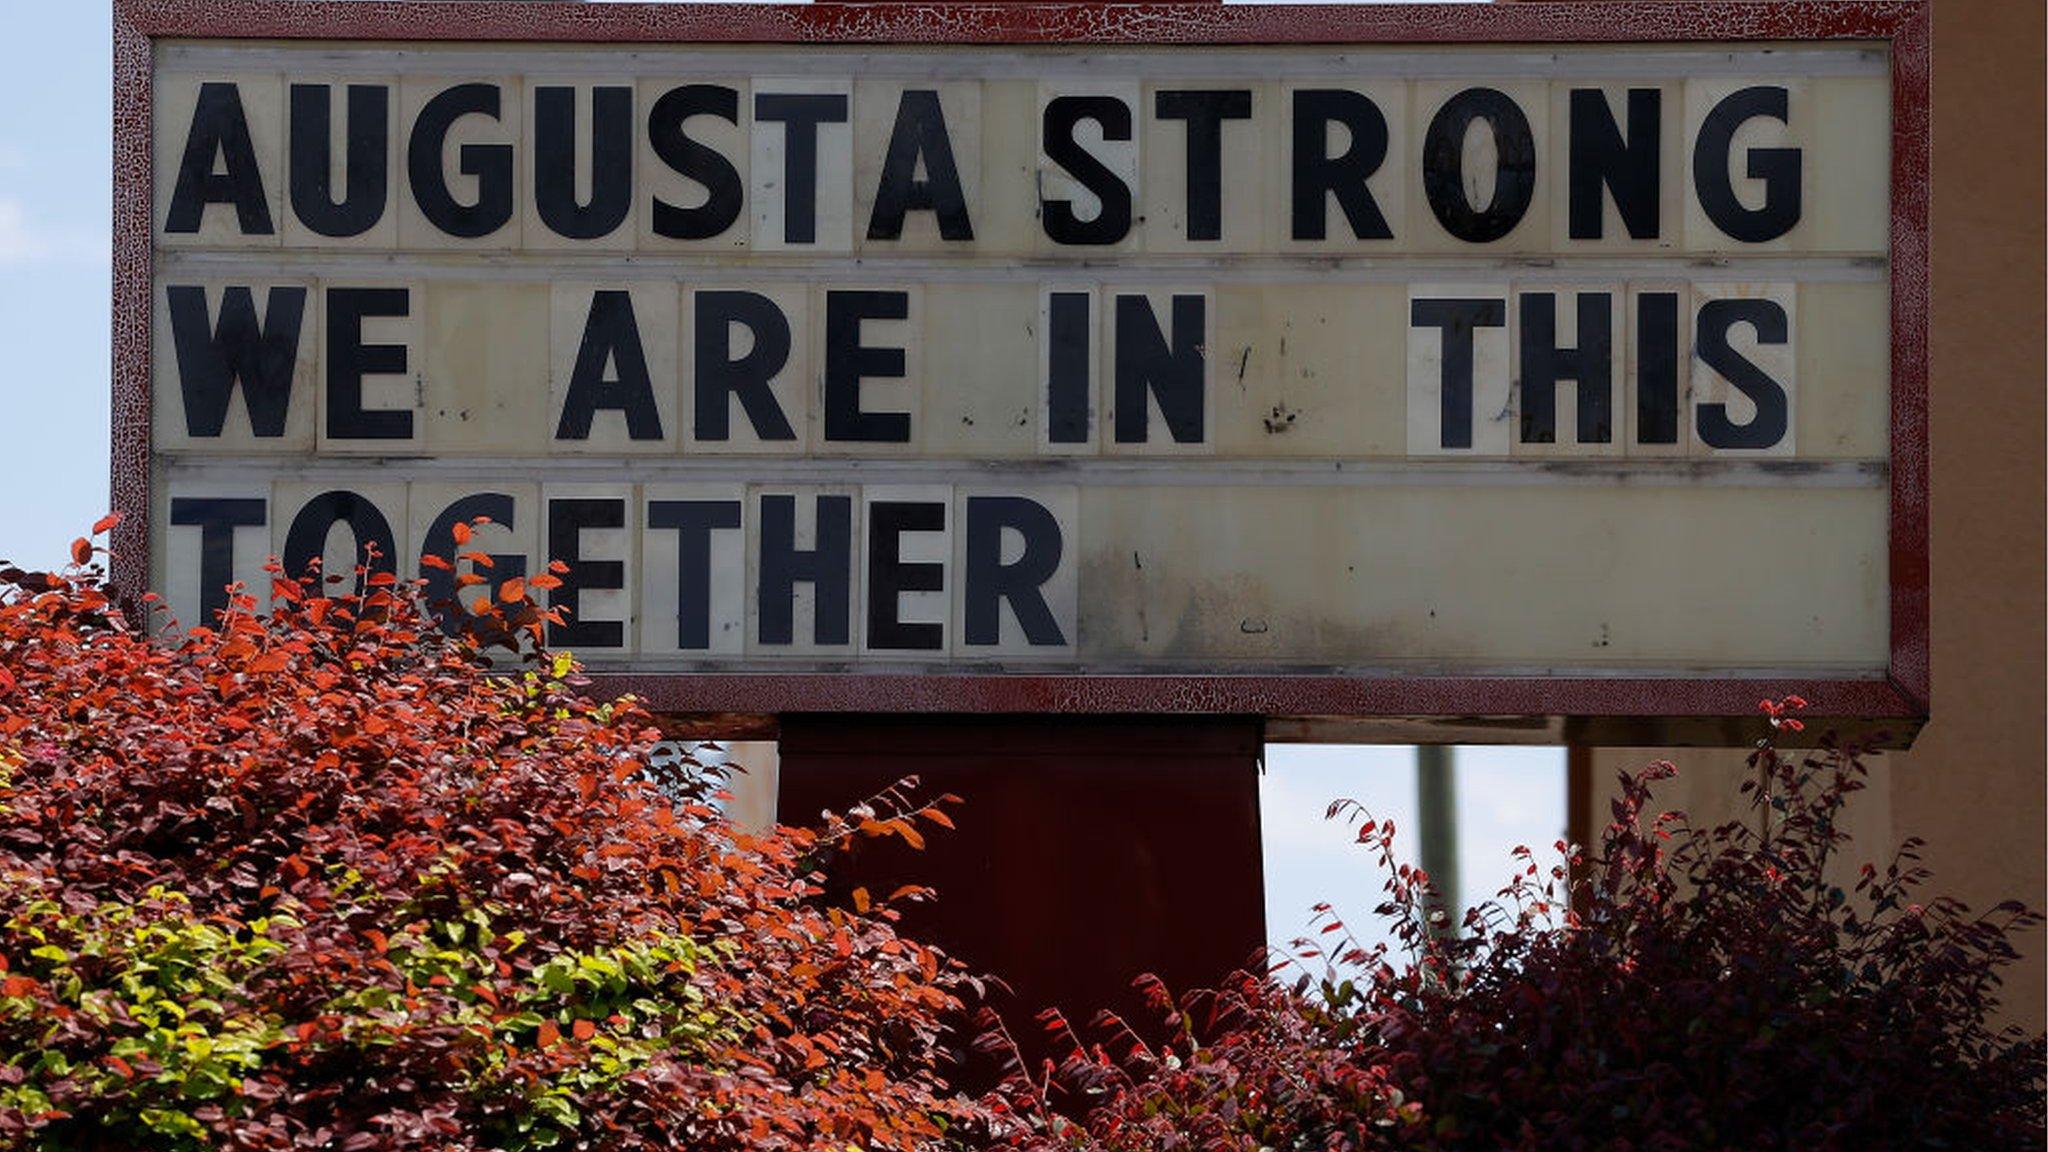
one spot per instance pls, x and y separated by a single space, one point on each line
544 582
583 1029
550 1035
861 901
106 523
462 533
435 560
938 817
81 550
512 591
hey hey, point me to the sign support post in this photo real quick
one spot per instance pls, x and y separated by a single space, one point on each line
1088 851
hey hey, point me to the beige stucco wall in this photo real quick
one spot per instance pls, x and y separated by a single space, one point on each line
1975 784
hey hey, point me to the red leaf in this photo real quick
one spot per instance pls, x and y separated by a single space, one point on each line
550 1034
81 550
106 523
583 1029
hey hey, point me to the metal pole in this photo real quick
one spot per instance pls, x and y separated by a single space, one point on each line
1436 790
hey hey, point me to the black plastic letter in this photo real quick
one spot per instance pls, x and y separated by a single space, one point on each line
1205 110
693 522
1458 320
1626 167
567 519
216 518
724 196
890 576
1070 366
1589 365
720 377
848 362
440 541
988 582
611 338
1318 175
1443 165
920 134
1773 416
1778 168
800 115
1657 368
213 357
349 360
219 128
368 136
1171 370
1113 222
306 540
491 164
827 567
554 160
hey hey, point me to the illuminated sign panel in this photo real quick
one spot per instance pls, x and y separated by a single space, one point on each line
1238 376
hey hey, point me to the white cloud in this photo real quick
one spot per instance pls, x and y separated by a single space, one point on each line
26 242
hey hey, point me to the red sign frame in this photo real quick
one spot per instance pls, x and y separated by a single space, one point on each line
1616 709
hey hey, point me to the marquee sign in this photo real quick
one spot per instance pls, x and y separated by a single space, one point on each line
1325 363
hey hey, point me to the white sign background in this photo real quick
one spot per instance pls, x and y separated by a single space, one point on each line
1298 494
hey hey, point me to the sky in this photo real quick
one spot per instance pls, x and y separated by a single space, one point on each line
55 204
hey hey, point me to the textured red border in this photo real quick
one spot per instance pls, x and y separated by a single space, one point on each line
1640 703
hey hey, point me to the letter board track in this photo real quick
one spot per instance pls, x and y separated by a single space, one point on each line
1562 366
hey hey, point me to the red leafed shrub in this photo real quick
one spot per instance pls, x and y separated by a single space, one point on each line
313 880
1714 989
1256 1066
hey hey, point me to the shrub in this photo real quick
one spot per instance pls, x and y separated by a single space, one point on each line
1713 989
313 879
